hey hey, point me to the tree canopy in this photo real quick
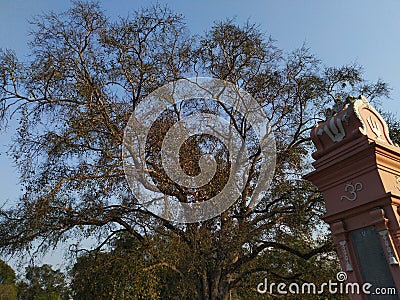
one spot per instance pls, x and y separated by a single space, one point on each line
73 98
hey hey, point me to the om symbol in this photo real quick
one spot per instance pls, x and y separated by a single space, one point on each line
352 189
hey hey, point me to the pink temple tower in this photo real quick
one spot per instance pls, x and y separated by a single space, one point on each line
357 169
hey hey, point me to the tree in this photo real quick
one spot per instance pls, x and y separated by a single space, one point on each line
127 271
73 101
43 283
8 290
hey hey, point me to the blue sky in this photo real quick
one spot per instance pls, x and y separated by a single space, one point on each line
338 32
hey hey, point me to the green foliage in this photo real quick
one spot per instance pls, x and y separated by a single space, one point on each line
129 271
8 290
108 275
43 283
49 296
7 274
393 125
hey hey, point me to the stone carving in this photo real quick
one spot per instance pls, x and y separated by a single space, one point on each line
365 112
396 186
389 250
335 133
374 127
357 106
352 189
356 119
349 268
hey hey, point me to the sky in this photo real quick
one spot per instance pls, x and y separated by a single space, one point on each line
339 32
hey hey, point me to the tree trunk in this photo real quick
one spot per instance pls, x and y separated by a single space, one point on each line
212 286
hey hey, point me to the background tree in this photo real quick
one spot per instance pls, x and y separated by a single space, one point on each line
73 100
43 283
127 271
8 289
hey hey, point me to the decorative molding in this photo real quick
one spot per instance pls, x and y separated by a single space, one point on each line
357 105
396 186
378 219
374 127
352 189
357 119
335 133
343 244
388 246
338 228
381 132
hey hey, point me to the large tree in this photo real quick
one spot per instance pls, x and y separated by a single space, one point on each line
73 99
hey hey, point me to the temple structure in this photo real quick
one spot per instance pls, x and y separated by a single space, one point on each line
357 169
